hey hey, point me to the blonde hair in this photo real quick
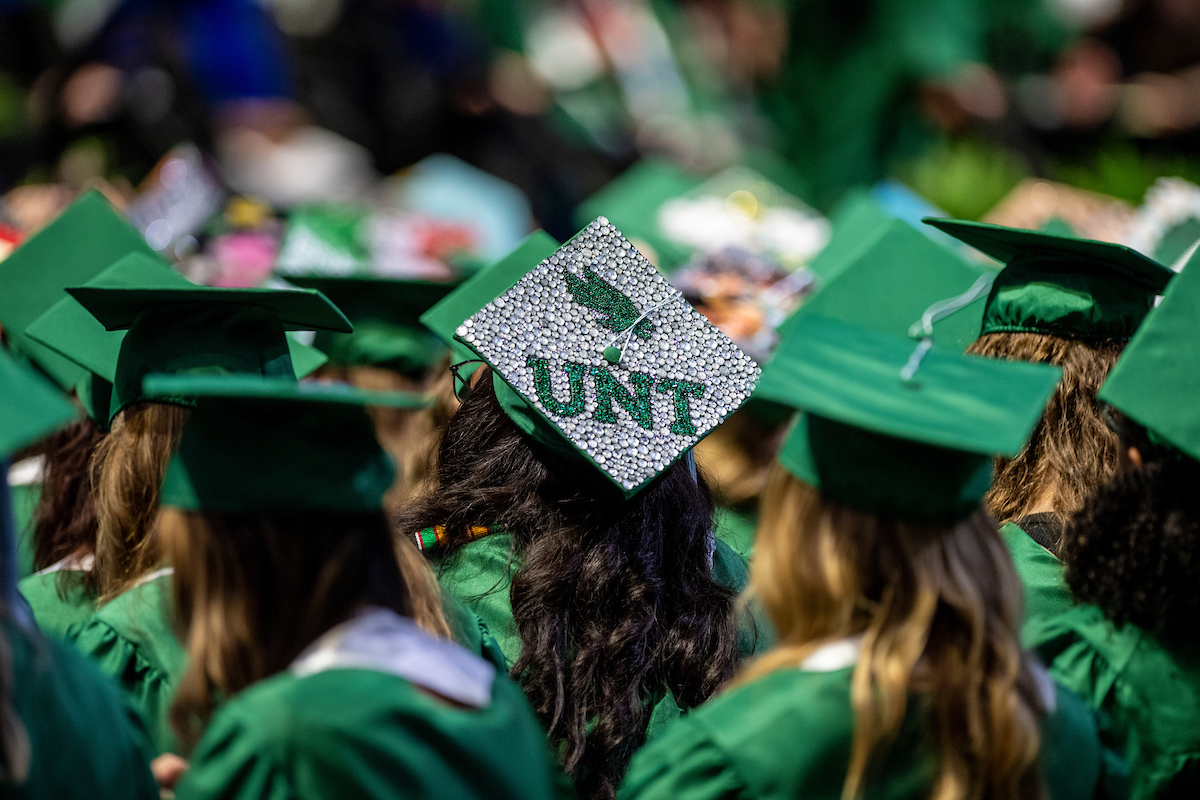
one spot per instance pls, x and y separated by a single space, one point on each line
127 473
937 609
1071 452
252 591
737 456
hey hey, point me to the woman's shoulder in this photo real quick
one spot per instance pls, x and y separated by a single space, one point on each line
57 600
141 620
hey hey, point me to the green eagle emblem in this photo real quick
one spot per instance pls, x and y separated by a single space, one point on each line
595 293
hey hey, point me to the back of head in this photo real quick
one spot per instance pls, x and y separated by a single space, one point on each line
936 606
613 598
1071 451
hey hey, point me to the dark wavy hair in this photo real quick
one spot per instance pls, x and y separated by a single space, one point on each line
614 600
1134 548
65 519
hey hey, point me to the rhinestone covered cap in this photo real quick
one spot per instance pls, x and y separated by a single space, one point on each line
612 356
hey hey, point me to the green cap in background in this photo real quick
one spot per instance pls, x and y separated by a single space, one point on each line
473 294
854 220
895 429
386 315
601 358
82 241
268 445
1061 285
1156 382
889 281
30 406
72 331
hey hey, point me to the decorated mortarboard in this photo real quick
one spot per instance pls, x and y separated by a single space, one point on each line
30 406
386 315
256 444
1061 285
467 299
192 328
600 357
891 279
72 331
81 242
900 431
1156 382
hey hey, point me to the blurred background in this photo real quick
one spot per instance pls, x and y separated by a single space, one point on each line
422 138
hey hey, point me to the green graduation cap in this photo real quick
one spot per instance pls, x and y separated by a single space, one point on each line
1061 285
72 331
386 316
600 357
82 241
445 316
891 279
899 429
257 444
1156 382
30 407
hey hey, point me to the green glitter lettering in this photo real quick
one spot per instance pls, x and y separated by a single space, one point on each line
637 402
683 413
593 292
545 393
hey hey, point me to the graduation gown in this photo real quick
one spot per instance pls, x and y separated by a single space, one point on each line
81 741
1150 694
1041 573
481 572
789 735
56 599
132 641
354 718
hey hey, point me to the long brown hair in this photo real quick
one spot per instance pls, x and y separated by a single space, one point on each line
251 592
938 610
613 599
1071 452
65 518
127 472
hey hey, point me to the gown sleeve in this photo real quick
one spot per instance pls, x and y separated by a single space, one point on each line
682 764
232 762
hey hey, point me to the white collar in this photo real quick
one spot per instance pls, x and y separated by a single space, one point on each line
150 577
73 562
27 471
834 656
380 639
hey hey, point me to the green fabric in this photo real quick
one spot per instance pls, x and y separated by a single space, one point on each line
1149 693
1041 574
132 641
386 317
1061 285
25 499
30 406
244 426
737 527
913 449
472 632
852 222
481 572
360 734
58 601
788 735
1157 379
83 240
889 280
631 202
82 741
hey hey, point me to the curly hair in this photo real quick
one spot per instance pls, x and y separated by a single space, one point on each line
937 609
65 518
1134 548
614 600
1071 452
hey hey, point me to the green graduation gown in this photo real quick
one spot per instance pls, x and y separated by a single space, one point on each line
737 527
1041 573
1149 693
481 573
788 735
132 640
353 718
81 741
57 600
